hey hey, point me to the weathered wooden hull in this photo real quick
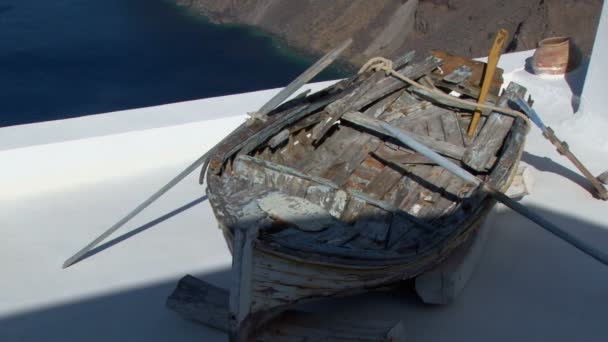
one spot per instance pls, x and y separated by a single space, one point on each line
384 214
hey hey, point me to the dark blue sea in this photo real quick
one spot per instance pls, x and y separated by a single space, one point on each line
69 58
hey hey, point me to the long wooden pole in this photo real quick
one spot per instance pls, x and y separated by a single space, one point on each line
296 84
593 252
493 57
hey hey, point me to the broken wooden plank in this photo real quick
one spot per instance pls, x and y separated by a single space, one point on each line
452 129
439 146
362 196
391 84
424 110
381 106
325 155
466 89
400 62
248 137
374 224
336 109
446 101
452 62
278 139
491 137
351 158
201 302
459 75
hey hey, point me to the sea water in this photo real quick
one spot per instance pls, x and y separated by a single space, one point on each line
69 58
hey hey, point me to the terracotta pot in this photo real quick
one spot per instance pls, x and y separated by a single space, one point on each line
552 56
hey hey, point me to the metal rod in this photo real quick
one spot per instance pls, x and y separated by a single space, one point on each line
593 252
276 100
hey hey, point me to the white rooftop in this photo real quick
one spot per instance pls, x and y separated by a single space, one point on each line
64 182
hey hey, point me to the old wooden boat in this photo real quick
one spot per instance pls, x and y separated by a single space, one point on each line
316 200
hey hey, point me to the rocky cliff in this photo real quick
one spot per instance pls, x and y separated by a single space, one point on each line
388 27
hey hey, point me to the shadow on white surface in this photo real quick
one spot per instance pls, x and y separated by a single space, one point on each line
529 286
547 164
142 228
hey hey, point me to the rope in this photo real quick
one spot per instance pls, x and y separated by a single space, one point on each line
386 65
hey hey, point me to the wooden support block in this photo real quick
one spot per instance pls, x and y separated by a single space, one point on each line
201 302
445 282
522 183
196 300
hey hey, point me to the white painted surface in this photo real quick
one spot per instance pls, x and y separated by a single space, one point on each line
137 119
53 155
529 286
593 99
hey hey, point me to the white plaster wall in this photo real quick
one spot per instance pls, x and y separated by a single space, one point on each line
51 156
593 99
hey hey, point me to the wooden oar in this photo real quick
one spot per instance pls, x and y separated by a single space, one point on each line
493 57
499 196
296 84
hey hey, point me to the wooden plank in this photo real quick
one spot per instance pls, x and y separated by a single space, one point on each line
341 171
452 62
325 155
345 141
400 62
434 98
451 128
278 139
336 109
359 195
363 173
467 90
297 147
201 302
389 85
421 112
491 137
341 154
249 137
400 107
381 106
439 146
374 224
196 300
459 75
438 178
451 196
429 200
239 303
351 158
